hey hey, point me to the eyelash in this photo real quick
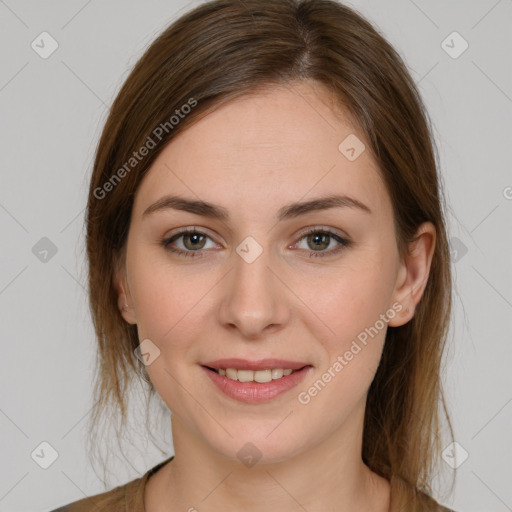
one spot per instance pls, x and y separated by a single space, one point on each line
344 243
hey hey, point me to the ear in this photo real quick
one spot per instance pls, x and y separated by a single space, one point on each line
413 274
124 299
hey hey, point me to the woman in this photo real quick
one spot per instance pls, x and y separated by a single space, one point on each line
266 239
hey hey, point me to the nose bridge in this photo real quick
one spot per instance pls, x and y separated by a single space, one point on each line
254 299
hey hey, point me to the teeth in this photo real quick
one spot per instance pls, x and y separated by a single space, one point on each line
231 374
254 376
277 373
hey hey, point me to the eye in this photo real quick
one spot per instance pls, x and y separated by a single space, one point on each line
193 242
320 239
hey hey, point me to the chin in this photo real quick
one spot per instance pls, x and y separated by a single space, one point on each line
250 450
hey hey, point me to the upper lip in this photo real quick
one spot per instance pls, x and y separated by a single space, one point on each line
260 364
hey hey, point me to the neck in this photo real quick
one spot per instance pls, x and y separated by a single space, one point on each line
329 476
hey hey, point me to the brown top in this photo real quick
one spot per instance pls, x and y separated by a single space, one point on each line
130 497
124 498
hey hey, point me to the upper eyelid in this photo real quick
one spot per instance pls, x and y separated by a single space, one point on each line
184 231
314 228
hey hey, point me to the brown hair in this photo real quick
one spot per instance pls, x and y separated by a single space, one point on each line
225 49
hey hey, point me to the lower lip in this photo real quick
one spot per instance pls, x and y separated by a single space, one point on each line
256 392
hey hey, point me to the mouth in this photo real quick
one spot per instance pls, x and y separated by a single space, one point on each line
255 381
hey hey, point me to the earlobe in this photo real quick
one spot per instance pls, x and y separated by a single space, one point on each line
124 304
122 301
414 273
123 297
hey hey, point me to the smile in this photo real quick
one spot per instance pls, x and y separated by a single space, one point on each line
255 386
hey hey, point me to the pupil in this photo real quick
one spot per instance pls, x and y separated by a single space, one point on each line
194 239
318 239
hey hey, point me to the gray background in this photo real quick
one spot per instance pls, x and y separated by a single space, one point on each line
52 112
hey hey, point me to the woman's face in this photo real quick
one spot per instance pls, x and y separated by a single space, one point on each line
255 285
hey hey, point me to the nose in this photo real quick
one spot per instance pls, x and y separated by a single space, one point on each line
254 298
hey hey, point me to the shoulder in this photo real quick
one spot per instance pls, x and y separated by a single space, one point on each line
114 500
425 502
124 498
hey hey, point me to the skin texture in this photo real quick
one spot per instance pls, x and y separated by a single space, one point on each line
253 156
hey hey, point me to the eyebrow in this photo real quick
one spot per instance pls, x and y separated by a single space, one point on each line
289 211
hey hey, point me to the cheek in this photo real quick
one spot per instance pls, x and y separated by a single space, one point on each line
169 301
351 307
349 301
170 306
352 303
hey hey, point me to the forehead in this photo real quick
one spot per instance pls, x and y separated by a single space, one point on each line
267 149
